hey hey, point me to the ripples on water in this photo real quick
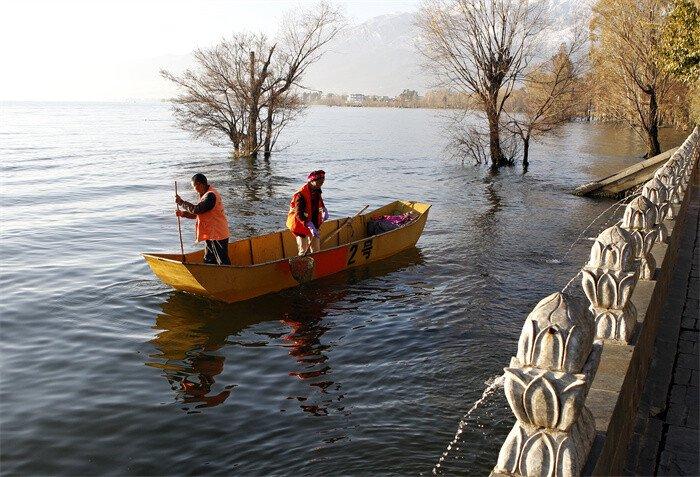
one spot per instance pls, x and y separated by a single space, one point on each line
105 370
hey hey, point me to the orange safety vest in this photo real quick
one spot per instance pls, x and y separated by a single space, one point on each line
212 225
298 224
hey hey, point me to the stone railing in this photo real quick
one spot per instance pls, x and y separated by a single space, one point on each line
564 337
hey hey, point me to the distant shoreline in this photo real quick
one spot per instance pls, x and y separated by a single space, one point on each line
166 103
3 103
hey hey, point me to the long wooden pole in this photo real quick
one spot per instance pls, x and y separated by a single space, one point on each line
179 228
336 232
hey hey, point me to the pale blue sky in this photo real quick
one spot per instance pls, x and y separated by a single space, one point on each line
83 50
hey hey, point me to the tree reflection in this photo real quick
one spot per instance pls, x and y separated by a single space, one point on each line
252 192
255 179
487 220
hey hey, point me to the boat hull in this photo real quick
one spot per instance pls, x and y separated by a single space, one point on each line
245 281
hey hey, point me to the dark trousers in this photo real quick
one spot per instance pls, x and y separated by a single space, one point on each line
216 252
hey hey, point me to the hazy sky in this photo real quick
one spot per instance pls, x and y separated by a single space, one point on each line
107 49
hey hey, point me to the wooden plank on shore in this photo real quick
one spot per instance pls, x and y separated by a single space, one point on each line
628 178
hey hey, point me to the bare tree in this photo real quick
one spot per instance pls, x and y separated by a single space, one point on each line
482 47
253 91
550 94
469 137
632 82
279 111
245 87
303 36
211 104
471 142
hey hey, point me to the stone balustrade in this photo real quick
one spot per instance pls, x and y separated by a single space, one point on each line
657 193
608 280
562 341
640 220
546 386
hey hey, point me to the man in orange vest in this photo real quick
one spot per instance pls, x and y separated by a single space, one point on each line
211 225
307 212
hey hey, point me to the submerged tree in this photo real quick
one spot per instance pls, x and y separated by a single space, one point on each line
244 89
550 95
632 84
482 48
212 103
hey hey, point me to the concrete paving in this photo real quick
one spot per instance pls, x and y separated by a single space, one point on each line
666 439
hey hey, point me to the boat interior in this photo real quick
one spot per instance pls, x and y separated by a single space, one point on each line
282 244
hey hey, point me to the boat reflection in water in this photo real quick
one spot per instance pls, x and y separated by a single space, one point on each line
303 343
195 335
192 331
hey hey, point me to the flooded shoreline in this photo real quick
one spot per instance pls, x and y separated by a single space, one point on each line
105 370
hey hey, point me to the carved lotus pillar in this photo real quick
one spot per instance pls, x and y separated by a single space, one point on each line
656 192
639 220
685 179
666 175
546 386
608 280
677 169
683 163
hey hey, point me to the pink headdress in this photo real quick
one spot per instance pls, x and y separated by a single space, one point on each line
316 175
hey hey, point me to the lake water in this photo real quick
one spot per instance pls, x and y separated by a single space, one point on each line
106 371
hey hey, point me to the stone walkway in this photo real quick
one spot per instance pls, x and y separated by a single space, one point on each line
667 431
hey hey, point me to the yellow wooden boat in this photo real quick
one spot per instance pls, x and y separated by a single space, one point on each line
269 263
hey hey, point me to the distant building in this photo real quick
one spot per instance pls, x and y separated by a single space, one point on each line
312 96
356 98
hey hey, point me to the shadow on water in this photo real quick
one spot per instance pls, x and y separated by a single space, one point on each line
193 333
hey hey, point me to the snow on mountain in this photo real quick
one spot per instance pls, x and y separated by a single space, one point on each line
377 56
380 57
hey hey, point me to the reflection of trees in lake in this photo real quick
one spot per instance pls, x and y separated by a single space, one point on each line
254 178
487 220
252 191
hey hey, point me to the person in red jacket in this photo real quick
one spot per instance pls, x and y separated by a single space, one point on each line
211 225
307 212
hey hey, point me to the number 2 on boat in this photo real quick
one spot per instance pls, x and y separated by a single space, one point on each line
366 251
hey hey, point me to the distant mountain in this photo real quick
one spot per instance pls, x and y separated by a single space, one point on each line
377 56
380 57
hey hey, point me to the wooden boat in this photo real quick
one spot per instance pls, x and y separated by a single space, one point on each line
269 263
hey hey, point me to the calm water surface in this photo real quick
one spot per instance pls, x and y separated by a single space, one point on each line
107 371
